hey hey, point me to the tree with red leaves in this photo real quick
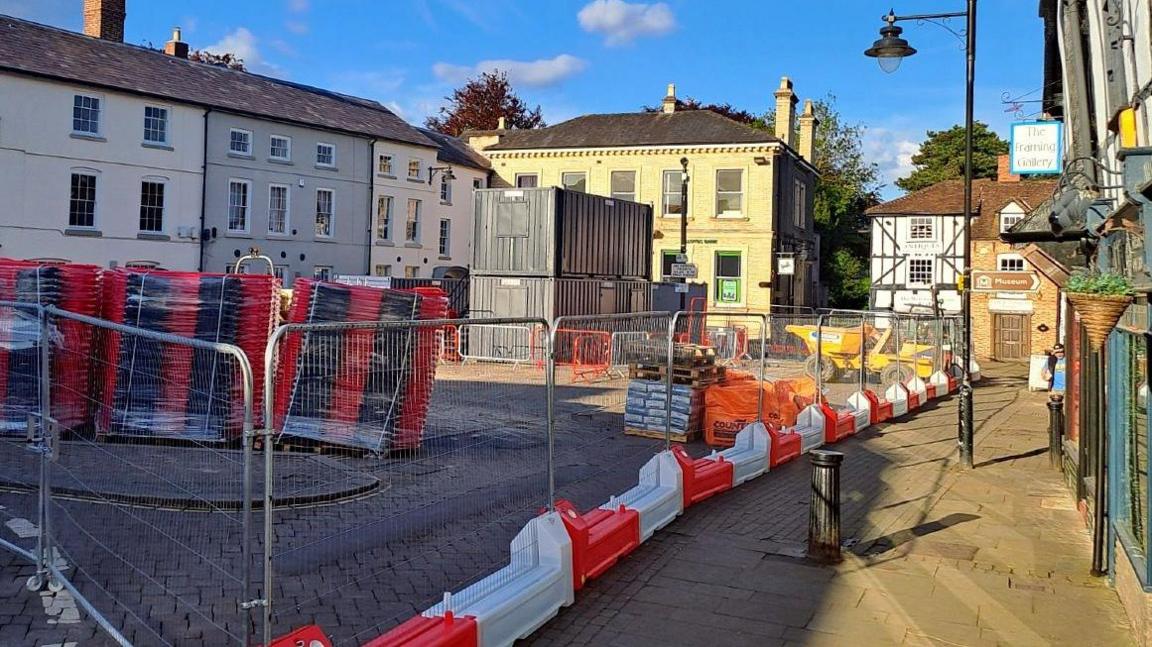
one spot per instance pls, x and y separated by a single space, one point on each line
480 103
723 109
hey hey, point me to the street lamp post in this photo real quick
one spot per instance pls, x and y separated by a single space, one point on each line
889 50
683 257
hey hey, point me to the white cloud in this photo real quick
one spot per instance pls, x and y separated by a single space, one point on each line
298 6
243 44
622 22
298 27
892 151
541 72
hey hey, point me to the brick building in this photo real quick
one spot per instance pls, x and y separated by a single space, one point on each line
917 253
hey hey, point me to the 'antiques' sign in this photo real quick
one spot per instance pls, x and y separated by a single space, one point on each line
1005 281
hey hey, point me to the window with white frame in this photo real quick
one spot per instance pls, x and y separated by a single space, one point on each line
322 272
238 192
324 200
152 205
280 147
86 114
575 181
413 169
920 271
477 183
445 236
527 180
240 141
623 185
667 259
383 270
729 193
155 125
278 209
82 204
445 189
921 228
412 225
325 154
1010 263
384 165
384 217
671 204
1009 220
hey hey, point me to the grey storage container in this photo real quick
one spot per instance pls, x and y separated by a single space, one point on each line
554 233
548 298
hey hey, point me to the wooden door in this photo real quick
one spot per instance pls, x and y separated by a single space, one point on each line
1011 338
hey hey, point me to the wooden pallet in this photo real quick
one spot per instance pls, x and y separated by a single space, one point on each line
659 435
693 355
696 376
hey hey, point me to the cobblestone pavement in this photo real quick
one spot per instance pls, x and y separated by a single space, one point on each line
994 556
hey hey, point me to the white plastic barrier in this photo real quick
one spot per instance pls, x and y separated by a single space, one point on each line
974 373
858 402
658 497
518 599
916 385
810 426
940 379
749 456
897 394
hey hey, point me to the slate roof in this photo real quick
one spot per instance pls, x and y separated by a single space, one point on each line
633 129
455 151
39 50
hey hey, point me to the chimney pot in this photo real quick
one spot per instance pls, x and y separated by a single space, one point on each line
808 124
104 19
1004 170
501 124
176 47
669 104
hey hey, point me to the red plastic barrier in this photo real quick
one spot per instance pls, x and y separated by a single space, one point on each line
913 399
785 446
837 424
446 631
880 410
703 477
307 636
599 538
953 383
930 389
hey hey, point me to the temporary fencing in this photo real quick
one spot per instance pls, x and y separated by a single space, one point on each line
513 343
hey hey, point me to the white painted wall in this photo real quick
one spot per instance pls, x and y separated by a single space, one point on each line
38 152
395 253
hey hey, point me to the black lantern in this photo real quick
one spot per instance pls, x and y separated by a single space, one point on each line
890 49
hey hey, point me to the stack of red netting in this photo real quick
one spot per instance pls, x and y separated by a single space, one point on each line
67 286
358 387
159 388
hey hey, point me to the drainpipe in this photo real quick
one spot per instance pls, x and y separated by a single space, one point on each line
203 194
371 195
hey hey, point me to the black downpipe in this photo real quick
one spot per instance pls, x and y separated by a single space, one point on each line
203 195
1099 531
371 206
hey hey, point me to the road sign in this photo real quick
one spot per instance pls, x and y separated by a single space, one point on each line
684 270
786 265
1036 147
682 288
1005 281
681 258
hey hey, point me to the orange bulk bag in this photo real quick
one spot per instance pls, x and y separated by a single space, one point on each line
729 406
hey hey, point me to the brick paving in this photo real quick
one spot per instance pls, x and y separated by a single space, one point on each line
939 556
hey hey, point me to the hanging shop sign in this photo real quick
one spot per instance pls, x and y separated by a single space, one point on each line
1036 148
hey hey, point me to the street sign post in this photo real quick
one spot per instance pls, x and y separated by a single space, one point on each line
1004 281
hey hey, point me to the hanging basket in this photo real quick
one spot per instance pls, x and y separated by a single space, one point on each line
1099 314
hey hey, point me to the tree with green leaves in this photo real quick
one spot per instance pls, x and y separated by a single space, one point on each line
941 156
480 103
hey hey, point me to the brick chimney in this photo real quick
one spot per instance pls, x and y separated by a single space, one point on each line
105 19
808 124
786 112
1003 172
176 47
669 104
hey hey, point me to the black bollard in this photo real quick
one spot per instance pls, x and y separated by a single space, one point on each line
824 511
1055 430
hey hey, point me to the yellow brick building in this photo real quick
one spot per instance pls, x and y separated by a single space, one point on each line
750 192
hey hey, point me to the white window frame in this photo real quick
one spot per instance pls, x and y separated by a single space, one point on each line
445 189
417 166
414 274
911 277
741 192
619 195
664 192
162 181
247 206
95 198
564 184
916 231
444 243
332 155
167 121
390 218
98 110
383 159
1013 258
477 183
665 253
1005 225
516 180
412 225
331 213
287 156
247 152
287 210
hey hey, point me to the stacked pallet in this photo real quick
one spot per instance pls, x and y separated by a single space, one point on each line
646 412
692 365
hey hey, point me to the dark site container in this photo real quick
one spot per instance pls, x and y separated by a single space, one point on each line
547 298
555 233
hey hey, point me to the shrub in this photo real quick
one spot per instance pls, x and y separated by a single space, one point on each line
1101 283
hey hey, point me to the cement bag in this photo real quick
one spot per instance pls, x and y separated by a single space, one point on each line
730 405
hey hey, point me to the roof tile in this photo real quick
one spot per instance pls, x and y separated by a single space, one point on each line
633 129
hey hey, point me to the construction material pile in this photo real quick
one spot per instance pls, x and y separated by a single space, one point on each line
362 387
70 287
646 410
156 388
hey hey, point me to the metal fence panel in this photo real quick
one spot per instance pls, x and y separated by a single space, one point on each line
418 476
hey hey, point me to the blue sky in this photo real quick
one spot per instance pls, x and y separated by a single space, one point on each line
612 56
